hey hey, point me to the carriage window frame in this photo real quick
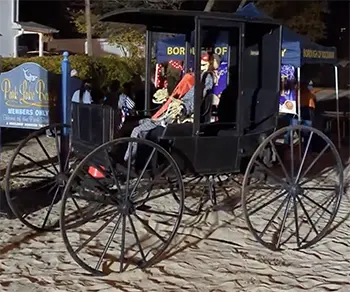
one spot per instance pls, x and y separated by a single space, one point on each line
200 23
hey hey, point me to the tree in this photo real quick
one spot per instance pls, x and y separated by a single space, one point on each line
304 17
88 27
130 38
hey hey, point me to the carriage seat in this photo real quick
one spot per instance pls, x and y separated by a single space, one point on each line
92 126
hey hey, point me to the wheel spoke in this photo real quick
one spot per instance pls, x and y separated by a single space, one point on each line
307 215
280 161
58 149
122 246
137 238
96 233
283 223
149 228
295 206
143 170
311 216
29 176
128 175
103 187
262 233
37 164
109 241
258 196
46 185
268 203
50 208
47 154
150 198
155 180
277 179
326 188
315 176
260 187
303 159
317 204
149 210
330 199
77 206
292 153
315 160
67 168
113 171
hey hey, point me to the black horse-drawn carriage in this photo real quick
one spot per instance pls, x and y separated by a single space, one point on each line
139 184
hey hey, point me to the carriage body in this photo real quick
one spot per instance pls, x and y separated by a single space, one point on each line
254 57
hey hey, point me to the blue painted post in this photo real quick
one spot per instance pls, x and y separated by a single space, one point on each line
65 111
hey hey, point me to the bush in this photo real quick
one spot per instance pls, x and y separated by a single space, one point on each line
102 70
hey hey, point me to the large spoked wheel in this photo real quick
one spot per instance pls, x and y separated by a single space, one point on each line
36 176
130 196
292 204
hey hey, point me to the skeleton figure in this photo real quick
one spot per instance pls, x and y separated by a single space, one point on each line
180 105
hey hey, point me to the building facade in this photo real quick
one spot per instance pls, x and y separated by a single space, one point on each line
11 29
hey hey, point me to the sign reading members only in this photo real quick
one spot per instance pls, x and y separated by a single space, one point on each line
28 97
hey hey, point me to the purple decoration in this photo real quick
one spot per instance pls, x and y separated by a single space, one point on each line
222 79
288 71
288 96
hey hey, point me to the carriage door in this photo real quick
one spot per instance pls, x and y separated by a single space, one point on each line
223 38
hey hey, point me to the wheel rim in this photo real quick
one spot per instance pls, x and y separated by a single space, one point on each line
292 205
35 178
130 198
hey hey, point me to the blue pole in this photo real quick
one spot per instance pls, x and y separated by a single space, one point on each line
65 111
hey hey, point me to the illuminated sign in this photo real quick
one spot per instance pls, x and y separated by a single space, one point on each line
316 54
24 97
175 51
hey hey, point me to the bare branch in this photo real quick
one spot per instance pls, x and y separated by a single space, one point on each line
209 6
241 5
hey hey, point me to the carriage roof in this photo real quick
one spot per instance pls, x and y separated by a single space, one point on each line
174 20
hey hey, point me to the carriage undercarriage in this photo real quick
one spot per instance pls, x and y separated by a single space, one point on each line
122 200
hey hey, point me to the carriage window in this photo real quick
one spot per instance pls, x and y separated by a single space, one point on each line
218 80
222 67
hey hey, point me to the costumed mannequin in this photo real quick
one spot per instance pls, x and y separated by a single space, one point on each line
173 74
179 106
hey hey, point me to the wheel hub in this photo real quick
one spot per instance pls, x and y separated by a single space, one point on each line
127 208
295 190
61 179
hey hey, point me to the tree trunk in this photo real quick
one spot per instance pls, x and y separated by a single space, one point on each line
88 27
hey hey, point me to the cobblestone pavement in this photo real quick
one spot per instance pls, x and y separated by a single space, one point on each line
217 253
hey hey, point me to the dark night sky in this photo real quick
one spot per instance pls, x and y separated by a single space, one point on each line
49 12
54 14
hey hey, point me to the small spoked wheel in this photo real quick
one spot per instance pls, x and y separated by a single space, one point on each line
292 202
129 197
215 189
36 176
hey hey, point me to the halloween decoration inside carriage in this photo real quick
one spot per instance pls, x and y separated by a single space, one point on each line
124 199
